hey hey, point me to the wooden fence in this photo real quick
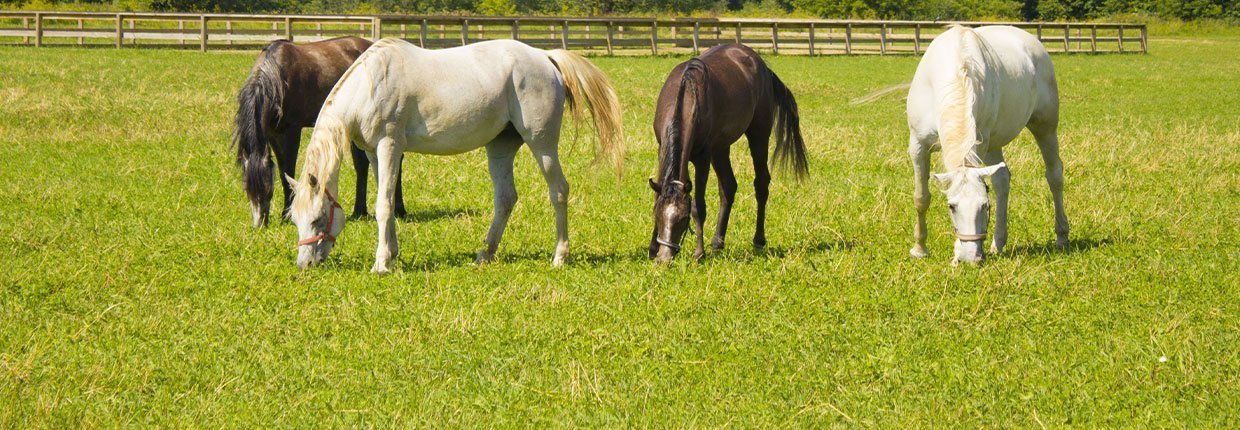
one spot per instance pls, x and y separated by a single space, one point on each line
613 36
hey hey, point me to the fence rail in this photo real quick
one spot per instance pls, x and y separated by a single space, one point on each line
602 35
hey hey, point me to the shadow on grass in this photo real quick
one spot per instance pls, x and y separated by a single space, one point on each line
423 215
1075 246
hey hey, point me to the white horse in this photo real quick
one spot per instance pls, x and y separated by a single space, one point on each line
973 92
398 97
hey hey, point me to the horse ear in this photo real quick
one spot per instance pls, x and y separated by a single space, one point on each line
292 183
983 172
688 186
943 178
654 185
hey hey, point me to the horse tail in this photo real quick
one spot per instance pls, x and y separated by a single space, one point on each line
586 86
258 109
789 145
871 97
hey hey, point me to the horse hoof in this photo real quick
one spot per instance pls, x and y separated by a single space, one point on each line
484 258
1061 244
995 250
716 244
919 252
379 269
699 255
558 261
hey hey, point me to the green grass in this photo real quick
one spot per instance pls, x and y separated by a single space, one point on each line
135 293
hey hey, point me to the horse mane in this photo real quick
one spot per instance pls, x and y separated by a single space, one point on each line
671 156
957 118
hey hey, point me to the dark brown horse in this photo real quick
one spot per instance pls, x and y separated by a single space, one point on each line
706 105
282 95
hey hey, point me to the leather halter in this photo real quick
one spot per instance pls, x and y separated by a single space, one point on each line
327 233
969 237
668 244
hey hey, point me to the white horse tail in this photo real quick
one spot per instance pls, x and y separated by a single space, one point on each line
586 86
871 97
958 120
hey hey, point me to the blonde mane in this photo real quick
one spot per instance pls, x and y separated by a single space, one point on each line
957 122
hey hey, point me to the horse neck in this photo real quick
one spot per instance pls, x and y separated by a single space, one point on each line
681 134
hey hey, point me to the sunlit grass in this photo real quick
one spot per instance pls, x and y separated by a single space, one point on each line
135 292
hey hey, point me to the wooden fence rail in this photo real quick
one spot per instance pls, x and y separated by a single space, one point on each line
613 36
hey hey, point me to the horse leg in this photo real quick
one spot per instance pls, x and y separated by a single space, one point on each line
758 146
1002 180
1048 143
548 160
388 154
727 193
287 158
919 151
400 188
500 154
361 167
701 174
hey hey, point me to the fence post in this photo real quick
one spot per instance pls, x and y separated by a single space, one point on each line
610 37
38 30
564 35
775 38
181 31
917 39
1121 38
81 40
228 30
811 39
202 32
376 28
464 32
132 23
25 26
1039 32
1067 31
696 29
848 38
882 39
516 32
654 37
422 35
288 28
1144 34
120 30
1093 38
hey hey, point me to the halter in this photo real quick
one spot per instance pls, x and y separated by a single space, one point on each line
327 233
668 244
969 237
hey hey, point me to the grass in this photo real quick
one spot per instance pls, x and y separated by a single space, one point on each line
136 294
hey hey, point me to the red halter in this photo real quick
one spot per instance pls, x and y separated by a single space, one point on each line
327 233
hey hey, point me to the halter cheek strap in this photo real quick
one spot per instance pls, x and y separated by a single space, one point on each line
327 233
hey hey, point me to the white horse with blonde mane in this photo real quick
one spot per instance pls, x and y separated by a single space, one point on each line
398 98
973 92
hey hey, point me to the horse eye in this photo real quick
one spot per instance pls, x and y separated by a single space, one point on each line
951 207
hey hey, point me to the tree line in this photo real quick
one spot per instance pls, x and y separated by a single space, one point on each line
1046 10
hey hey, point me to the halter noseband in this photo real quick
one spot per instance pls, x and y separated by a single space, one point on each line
668 244
969 237
327 233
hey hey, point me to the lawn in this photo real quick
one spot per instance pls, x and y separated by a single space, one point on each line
135 292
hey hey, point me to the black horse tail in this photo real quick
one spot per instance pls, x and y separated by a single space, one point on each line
789 145
691 81
258 109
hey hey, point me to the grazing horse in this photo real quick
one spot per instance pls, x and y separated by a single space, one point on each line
497 94
706 105
973 92
282 95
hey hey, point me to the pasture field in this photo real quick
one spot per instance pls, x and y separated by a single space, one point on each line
134 292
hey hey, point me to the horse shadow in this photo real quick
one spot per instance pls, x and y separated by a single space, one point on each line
424 215
1075 246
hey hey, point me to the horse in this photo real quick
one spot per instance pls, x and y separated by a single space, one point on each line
496 94
973 92
706 104
283 94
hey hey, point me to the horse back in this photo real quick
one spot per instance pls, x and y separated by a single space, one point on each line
310 70
737 88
